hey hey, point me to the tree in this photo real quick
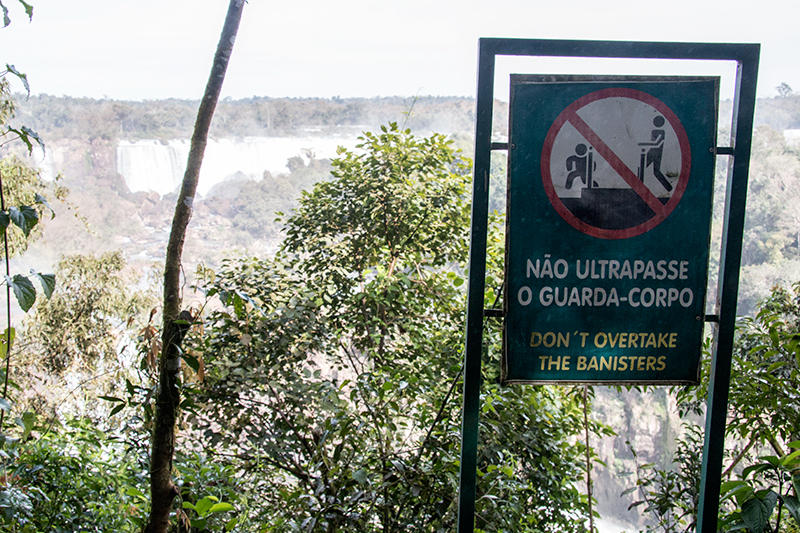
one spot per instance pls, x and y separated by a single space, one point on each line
167 402
762 471
331 372
26 188
784 90
83 333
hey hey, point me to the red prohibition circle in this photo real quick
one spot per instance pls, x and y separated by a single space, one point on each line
571 111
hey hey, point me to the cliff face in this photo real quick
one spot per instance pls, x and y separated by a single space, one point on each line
102 212
646 420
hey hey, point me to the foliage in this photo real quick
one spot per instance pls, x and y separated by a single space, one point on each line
205 508
83 321
762 416
206 488
24 190
255 206
21 184
670 496
771 247
66 477
763 412
7 20
756 498
64 117
22 195
331 371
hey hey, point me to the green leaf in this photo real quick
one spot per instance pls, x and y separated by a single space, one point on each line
199 523
5 220
776 365
39 199
28 9
23 290
48 282
360 475
793 506
191 360
27 421
133 491
738 489
221 507
25 218
755 469
205 504
337 452
7 341
791 458
756 512
22 77
111 398
231 523
5 405
30 134
189 505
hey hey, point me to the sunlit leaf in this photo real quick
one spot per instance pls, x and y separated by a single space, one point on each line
7 341
205 504
221 507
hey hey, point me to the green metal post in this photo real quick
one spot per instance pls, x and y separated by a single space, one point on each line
477 282
730 261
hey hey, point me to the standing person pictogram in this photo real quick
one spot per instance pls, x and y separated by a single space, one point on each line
600 175
654 154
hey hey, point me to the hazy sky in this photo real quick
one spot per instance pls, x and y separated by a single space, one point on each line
151 49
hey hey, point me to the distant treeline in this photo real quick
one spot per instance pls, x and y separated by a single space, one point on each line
66 117
86 118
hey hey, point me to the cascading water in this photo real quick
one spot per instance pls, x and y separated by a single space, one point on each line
158 166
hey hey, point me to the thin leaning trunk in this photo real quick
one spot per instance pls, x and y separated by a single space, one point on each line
162 489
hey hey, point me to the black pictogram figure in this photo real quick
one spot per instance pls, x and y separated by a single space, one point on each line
581 166
655 153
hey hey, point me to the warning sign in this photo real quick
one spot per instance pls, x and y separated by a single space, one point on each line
615 163
610 186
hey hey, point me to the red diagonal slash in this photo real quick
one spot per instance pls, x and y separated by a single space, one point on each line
616 163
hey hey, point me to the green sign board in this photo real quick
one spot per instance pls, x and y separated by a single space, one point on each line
610 188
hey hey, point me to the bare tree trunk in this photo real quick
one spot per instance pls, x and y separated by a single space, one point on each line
162 490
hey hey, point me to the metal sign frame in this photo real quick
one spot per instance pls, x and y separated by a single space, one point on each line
747 57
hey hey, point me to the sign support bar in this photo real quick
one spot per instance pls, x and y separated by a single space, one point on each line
746 56
728 289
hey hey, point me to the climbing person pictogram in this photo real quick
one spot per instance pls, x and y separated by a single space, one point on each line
581 166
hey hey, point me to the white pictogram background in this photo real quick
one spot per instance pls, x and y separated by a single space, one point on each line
622 123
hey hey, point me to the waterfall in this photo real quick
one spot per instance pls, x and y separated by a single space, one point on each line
151 165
